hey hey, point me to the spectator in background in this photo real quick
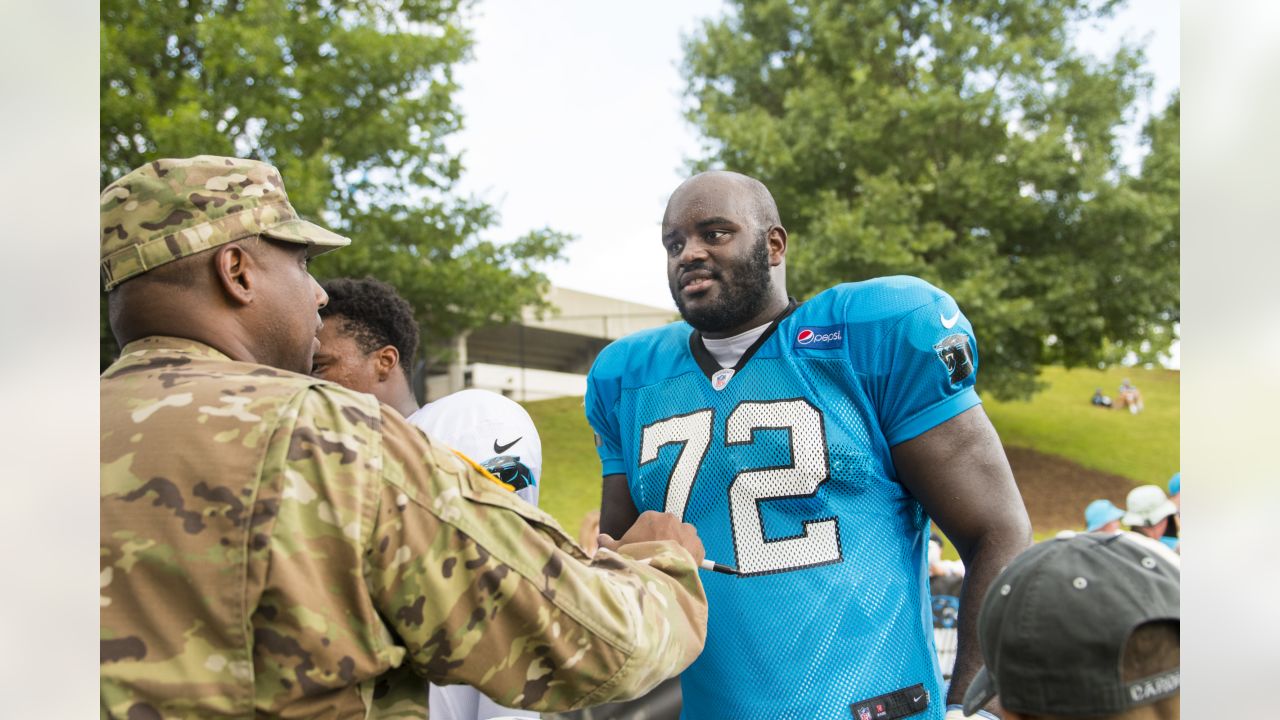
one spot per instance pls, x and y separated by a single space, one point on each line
939 567
1148 512
1102 516
1085 626
368 341
1130 396
1100 400
946 582
946 577
1174 530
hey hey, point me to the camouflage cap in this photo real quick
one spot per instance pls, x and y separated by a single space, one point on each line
172 208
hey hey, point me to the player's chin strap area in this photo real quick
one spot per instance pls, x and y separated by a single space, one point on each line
956 712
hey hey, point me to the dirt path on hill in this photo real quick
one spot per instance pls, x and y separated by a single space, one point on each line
1056 490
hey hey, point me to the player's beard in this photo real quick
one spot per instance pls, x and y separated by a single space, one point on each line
740 300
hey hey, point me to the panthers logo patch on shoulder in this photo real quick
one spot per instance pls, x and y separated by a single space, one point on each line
956 355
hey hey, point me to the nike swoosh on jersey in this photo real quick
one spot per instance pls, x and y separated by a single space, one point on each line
948 324
503 448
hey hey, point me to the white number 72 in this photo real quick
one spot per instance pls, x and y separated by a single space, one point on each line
818 543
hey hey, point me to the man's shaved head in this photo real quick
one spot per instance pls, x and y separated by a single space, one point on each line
757 197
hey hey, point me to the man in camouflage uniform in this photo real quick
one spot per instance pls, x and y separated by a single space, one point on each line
273 545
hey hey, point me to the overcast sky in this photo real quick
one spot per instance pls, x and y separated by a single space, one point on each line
573 112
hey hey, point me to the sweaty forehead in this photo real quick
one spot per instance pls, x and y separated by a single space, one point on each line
707 196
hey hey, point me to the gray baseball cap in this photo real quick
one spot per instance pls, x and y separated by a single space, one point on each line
1055 622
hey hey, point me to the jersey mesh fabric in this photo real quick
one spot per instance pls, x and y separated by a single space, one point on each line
786 473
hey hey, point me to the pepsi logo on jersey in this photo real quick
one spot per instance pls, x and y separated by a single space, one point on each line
821 338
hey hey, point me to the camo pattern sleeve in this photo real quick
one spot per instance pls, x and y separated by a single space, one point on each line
487 590
273 545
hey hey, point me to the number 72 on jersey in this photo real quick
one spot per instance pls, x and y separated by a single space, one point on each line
819 541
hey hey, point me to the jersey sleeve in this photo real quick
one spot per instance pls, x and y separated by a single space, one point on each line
487 590
603 390
928 363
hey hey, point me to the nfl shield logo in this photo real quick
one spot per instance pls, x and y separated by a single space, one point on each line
864 713
721 378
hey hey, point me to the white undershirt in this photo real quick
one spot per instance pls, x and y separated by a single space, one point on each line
727 351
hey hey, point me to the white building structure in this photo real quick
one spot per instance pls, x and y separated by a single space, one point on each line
540 358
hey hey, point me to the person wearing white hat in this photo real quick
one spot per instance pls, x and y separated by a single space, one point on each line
1148 511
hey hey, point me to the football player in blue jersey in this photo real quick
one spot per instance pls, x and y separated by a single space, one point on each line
810 444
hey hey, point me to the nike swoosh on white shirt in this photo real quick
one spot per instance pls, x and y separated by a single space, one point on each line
948 324
503 448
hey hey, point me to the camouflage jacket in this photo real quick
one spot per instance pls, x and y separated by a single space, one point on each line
273 545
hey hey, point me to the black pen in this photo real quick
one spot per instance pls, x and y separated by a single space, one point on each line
709 564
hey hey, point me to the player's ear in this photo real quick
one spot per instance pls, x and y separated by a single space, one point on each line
777 240
385 360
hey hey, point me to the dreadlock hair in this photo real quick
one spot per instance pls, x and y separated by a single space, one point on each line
374 315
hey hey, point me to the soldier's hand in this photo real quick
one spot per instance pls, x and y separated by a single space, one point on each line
653 525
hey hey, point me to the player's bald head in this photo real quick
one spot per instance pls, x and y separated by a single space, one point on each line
744 192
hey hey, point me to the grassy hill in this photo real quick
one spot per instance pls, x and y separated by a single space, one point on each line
570 466
1059 421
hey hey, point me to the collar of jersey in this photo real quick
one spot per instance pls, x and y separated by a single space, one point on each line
707 363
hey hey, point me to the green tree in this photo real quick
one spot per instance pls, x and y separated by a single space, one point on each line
352 101
968 143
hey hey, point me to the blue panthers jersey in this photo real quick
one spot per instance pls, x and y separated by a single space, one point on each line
783 464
